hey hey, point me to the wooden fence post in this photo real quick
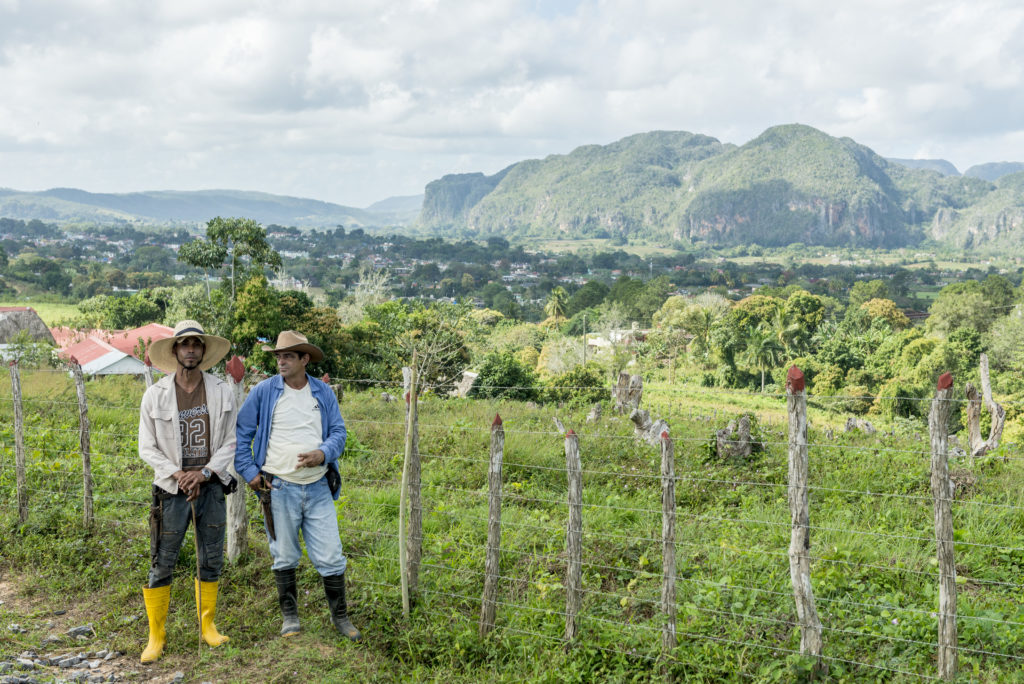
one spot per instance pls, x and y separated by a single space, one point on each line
411 419
573 536
799 509
414 542
148 372
938 428
668 543
488 604
238 517
19 443
84 442
336 387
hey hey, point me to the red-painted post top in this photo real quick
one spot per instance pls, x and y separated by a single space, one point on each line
945 381
234 367
795 381
497 421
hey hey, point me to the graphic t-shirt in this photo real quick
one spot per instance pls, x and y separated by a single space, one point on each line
194 421
295 428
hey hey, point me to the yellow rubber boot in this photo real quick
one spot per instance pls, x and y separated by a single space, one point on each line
157 601
206 598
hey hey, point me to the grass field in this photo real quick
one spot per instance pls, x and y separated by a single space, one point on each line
52 314
872 543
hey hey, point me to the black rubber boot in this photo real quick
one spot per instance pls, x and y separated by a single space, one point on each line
334 587
287 596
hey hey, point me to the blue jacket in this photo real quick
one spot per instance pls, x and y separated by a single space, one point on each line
254 420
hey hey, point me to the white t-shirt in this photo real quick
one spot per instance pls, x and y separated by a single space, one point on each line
295 428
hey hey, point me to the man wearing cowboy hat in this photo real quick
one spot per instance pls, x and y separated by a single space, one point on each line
187 435
290 435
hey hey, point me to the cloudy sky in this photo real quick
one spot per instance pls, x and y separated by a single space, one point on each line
352 102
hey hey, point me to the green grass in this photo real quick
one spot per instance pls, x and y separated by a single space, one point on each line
874 555
51 313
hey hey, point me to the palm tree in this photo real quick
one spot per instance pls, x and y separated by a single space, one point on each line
763 350
557 300
785 329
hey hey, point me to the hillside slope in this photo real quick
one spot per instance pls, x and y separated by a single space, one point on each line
793 183
73 205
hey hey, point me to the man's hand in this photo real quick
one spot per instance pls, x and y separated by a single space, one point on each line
256 483
311 459
188 482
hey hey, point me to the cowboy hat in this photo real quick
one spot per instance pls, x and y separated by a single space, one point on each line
161 352
289 340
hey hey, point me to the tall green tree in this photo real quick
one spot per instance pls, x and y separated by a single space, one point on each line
234 239
555 306
763 350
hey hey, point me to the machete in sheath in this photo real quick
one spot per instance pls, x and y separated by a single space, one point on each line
263 493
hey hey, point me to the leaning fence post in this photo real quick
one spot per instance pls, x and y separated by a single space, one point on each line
799 510
148 372
19 443
488 604
83 440
238 518
573 536
668 543
938 428
414 542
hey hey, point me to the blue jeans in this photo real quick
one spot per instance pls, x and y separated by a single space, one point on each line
309 508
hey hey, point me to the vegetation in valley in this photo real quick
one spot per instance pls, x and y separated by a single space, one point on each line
714 333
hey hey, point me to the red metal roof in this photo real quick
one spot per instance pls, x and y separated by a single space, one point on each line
128 340
89 349
121 340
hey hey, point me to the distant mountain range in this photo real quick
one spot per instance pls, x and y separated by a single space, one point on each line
792 183
68 205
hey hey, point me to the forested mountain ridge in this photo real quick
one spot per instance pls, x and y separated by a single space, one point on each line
792 183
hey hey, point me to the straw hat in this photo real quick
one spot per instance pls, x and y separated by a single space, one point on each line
161 352
289 340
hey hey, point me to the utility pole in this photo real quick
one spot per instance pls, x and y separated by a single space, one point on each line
584 338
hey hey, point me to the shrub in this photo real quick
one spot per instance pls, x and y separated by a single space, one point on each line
896 399
856 399
584 384
500 375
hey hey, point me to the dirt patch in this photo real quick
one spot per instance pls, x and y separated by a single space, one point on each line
43 642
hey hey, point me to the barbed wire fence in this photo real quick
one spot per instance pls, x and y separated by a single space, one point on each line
504 549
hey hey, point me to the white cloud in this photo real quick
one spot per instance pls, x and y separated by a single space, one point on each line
355 101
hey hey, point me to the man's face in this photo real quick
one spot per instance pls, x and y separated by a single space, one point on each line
189 352
290 364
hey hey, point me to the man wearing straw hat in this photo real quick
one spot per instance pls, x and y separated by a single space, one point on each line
290 435
187 435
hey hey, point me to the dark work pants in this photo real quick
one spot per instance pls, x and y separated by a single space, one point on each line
211 522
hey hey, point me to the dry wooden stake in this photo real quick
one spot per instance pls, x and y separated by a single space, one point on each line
488 603
414 542
573 536
799 509
668 543
938 428
19 443
238 517
84 442
403 559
